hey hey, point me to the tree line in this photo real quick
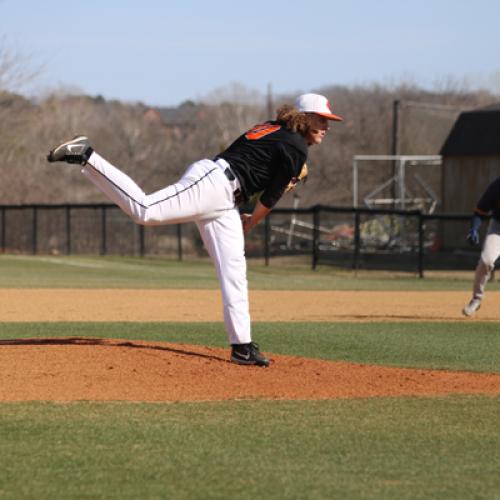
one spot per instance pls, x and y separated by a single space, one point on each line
155 145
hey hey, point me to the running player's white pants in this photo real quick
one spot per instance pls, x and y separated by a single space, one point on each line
489 254
205 196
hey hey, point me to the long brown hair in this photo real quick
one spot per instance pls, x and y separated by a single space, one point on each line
293 120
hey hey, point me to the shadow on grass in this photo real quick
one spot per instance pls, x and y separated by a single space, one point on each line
78 341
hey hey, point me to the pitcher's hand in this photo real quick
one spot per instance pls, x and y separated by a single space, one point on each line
246 220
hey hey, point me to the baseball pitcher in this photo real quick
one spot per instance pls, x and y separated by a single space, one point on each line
270 158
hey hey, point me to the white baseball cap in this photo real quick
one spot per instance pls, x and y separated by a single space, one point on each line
315 103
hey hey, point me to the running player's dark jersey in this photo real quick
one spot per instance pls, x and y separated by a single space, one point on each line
490 201
266 158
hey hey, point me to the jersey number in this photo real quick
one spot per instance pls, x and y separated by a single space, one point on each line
261 130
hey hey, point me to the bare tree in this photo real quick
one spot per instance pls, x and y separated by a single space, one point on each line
231 110
16 113
155 153
16 69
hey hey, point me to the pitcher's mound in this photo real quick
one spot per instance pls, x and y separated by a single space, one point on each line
94 369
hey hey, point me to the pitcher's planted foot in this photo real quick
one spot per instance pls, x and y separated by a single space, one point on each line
248 354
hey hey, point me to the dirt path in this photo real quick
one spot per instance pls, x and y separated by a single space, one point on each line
71 369
205 305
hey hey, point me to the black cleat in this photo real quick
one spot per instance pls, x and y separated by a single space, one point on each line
247 354
78 150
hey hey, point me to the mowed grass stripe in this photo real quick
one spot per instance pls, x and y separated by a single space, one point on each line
452 346
371 448
23 271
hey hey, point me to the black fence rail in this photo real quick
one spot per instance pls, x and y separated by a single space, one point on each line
363 238
358 238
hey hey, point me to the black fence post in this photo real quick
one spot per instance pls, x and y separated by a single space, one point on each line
315 242
179 241
267 236
357 240
141 241
4 230
420 245
418 253
103 231
34 233
68 230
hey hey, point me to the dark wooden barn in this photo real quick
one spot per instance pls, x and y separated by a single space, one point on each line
470 161
471 158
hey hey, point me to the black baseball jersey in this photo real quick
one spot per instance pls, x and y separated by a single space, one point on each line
490 201
266 158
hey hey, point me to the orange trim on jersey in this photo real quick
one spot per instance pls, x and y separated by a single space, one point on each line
261 130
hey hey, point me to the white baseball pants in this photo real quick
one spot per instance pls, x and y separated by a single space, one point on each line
205 196
489 254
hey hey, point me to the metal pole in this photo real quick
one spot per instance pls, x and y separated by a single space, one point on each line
4 230
402 180
355 182
270 102
103 231
396 106
267 233
293 220
402 202
68 230
357 240
141 241
420 245
315 249
179 241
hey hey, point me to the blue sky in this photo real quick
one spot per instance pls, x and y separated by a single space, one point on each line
164 52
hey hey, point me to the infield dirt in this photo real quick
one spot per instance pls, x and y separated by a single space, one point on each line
206 305
69 369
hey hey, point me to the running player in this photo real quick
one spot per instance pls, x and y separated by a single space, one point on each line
268 158
489 204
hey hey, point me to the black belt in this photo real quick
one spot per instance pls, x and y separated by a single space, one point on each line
239 197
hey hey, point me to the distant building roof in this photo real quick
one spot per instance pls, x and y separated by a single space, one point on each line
475 132
182 117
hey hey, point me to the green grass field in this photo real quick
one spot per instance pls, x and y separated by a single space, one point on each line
442 447
17 271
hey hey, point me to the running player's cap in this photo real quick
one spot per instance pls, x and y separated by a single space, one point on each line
315 103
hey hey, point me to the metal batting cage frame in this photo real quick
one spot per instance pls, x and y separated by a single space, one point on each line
402 197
